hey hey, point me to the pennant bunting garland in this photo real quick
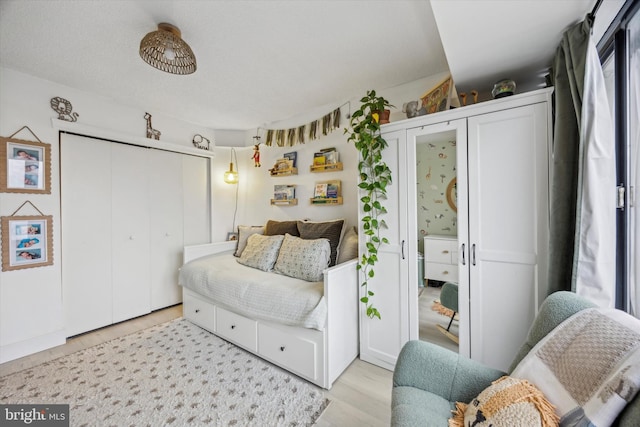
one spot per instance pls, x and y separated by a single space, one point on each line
293 136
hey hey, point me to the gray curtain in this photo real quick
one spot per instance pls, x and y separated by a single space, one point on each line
582 201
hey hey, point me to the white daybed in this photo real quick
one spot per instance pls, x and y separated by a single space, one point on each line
319 349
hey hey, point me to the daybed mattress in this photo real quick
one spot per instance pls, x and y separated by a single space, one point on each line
255 293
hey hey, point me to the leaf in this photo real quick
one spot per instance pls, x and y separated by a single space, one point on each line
364 299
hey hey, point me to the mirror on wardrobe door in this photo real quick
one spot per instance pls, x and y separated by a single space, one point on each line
436 232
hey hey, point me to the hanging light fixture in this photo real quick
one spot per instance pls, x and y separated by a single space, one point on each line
165 50
231 176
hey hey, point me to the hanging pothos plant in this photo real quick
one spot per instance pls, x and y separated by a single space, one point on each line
375 175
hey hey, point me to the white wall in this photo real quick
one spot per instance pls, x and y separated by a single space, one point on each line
31 317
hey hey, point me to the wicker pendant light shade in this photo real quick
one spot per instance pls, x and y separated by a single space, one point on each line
165 50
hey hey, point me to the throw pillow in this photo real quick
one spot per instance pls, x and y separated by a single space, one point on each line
303 259
331 230
273 228
261 251
349 246
244 231
588 366
507 402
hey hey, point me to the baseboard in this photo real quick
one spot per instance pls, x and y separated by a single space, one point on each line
27 347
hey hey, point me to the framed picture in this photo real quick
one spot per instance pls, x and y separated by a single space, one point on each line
293 156
28 166
27 241
438 98
232 236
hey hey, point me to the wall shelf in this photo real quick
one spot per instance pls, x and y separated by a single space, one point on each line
326 201
284 172
290 202
333 167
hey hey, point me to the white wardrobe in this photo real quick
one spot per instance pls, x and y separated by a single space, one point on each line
127 212
502 150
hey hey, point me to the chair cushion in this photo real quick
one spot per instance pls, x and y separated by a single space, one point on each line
411 406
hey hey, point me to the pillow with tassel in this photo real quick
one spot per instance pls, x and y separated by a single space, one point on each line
507 402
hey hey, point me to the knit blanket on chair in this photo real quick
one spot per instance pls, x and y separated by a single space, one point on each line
588 366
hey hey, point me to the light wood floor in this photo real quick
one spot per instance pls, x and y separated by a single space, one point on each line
360 397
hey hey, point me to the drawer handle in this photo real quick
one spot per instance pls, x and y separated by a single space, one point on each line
445 272
445 252
197 310
233 326
282 348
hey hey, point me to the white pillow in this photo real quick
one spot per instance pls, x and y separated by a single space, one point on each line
261 251
244 231
303 259
588 366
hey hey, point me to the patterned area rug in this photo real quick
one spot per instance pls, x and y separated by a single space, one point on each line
173 374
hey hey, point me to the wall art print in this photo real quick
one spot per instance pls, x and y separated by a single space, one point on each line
26 166
27 242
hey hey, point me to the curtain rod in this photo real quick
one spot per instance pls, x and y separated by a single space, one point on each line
592 15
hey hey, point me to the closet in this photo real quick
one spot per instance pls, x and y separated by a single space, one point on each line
127 213
502 158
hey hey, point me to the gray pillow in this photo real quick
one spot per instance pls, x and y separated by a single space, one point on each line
244 231
331 230
261 251
303 259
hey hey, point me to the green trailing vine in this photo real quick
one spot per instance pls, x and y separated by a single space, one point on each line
375 175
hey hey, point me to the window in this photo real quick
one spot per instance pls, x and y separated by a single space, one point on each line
620 56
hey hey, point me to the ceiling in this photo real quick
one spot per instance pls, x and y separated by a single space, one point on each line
261 61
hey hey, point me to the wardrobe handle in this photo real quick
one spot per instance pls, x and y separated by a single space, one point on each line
463 260
282 348
473 254
403 249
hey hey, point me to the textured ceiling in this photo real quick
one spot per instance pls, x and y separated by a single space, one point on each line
265 61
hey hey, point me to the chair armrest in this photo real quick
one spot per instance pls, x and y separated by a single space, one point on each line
440 371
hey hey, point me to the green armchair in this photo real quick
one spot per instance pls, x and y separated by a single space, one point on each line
428 379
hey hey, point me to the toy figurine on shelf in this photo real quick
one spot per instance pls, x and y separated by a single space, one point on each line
256 155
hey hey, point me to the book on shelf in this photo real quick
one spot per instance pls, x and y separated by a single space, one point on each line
319 159
331 157
293 157
284 192
320 191
333 190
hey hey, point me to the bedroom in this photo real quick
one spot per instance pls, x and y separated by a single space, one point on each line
25 101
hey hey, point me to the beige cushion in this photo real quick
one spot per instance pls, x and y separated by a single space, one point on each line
273 228
244 231
331 230
261 251
348 246
507 402
303 259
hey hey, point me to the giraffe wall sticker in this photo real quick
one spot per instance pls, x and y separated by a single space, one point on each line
151 132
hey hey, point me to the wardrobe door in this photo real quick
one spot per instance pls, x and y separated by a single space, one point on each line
166 227
507 193
197 199
130 254
85 178
382 339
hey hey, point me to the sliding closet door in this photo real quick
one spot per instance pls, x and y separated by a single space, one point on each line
86 238
196 189
130 257
166 220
